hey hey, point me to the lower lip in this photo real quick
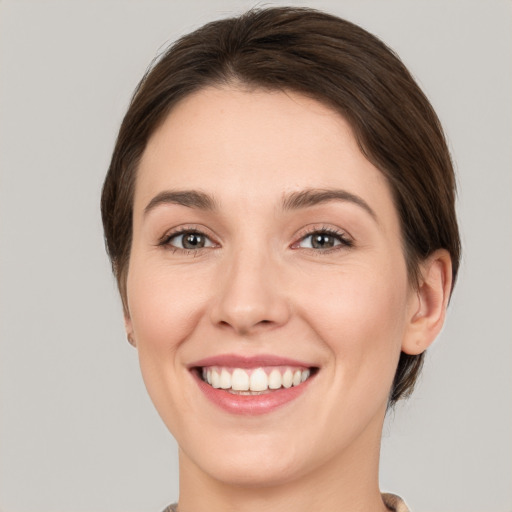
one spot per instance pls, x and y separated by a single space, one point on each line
250 404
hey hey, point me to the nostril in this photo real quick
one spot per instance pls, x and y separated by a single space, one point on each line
243 328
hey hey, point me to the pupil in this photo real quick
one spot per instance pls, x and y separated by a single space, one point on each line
193 241
322 241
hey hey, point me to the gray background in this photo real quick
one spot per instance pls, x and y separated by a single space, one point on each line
77 431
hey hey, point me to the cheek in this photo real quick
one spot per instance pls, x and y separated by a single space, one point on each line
165 306
361 317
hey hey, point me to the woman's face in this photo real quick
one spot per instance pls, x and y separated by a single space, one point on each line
267 259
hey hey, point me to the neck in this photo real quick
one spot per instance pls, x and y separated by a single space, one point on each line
347 482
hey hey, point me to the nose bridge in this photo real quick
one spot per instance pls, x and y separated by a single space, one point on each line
250 296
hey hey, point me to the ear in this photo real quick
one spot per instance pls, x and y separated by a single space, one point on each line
427 307
129 328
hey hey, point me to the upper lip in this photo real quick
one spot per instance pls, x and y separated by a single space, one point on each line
256 361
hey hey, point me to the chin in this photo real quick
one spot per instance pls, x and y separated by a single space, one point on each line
249 468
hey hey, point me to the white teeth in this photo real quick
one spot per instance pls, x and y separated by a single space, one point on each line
239 380
258 380
288 378
225 379
215 379
275 380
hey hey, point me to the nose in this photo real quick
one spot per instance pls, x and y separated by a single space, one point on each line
251 296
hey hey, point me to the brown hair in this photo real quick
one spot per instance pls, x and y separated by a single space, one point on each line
333 61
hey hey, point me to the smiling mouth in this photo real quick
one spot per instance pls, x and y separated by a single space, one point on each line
255 381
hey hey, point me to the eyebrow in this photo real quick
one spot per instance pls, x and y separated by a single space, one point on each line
189 198
314 196
292 201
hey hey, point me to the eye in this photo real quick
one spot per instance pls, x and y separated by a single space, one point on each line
188 240
324 240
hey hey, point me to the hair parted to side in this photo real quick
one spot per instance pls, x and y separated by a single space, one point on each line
334 62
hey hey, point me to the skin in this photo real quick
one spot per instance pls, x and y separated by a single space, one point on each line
258 287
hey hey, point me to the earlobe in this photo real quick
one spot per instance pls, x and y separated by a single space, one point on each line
428 306
129 329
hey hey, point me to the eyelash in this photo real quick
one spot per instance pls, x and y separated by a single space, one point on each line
344 241
166 241
341 236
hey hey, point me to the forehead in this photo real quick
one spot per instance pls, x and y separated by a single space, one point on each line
255 145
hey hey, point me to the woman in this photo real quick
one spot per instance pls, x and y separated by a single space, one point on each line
279 212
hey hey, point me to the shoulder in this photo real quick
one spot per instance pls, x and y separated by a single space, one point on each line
394 503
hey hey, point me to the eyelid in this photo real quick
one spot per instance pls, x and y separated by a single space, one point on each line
187 228
346 240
